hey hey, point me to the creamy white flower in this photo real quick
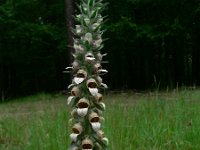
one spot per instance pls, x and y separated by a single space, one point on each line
102 71
78 80
87 20
75 65
102 119
98 8
98 97
88 37
74 136
96 126
78 29
82 111
69 86
93 91
105 140
85 8
69 99
103 105
92 11
104 85
78 48
70 121
79 16
67 68
97 43
95 25
100 19
89 57
99 79
75 91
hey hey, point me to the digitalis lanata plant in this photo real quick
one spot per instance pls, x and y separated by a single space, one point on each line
85 97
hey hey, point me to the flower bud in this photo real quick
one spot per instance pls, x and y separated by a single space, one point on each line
100 134
88 37
99 79
95 25
102 105
104 85
78 29
71 120
74 113
98 97
97 67
69 99
100 56
75 65
78 48
105 140
87 20
75 91
97 43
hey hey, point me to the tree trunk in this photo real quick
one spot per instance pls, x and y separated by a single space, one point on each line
70 24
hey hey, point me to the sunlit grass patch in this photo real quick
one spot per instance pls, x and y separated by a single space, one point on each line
152 121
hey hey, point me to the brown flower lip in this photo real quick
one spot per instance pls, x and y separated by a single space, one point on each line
83 103
87 144
89 57
91 83
77 128
98 97
93 117
81 73
75 91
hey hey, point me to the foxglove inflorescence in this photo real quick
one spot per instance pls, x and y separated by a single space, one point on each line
85 97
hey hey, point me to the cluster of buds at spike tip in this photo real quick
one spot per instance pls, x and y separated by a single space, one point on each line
85 89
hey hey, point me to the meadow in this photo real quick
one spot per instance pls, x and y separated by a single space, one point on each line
133 121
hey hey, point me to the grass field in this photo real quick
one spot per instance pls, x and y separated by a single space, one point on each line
150 121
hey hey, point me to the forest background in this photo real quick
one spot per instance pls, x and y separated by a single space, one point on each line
151 44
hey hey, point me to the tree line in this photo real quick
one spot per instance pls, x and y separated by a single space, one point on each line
150 43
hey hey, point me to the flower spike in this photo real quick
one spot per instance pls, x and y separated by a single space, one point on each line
85 97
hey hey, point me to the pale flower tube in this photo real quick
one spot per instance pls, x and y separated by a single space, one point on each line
82 111
93 91
96 126
69 99
74 136
78 80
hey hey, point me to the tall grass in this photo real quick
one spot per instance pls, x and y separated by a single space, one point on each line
152 121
